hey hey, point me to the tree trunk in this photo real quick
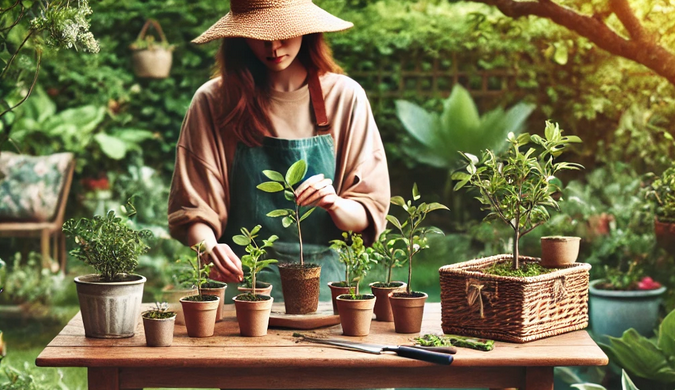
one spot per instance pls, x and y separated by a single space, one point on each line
516 254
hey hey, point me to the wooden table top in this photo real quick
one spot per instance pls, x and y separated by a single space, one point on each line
279 349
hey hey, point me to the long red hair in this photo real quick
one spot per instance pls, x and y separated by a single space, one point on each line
245 87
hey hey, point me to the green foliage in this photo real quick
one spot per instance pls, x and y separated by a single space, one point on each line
618 278
352 253
432 340
108 243
289 217
159 312
662 193
199 272
519 188
389 252
255 253
626 384
29 378
525 270
29 283
67 27
411 233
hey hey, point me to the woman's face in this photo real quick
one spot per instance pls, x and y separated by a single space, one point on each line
276 55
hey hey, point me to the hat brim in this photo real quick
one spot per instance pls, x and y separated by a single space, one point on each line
272 24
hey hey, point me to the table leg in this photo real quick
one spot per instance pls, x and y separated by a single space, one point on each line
103 378
539 378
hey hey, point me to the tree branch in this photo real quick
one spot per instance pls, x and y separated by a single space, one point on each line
622 10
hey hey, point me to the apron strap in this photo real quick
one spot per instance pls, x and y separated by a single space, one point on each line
318 104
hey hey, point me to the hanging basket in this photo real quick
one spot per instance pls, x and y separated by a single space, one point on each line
153 61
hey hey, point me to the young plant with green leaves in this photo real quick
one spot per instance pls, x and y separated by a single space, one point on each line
159 312
199 272
519 188
352 253
252 260
411 233
662 193
285 183
108 243
389 252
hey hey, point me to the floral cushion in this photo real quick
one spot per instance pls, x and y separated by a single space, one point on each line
30 186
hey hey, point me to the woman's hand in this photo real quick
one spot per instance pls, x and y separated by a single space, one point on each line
227 264
317 191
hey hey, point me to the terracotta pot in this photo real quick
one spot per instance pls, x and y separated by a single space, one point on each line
408 312
172 297
335 291
261 288
200 316
382 306
559 251
216 292
665 235
300 286
253 316
159 332
356 314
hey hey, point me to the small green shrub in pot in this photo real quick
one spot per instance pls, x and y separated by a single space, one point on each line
390 253
352 253
200 310
112 248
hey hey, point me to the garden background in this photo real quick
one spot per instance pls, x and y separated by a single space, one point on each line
123 131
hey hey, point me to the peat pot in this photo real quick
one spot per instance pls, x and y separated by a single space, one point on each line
159 331
559 251
261 288
336 291
110 310
200 316
217 289
300 286
382 307
408 312
253 316
356 314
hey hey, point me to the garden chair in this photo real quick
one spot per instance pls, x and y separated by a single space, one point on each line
33 195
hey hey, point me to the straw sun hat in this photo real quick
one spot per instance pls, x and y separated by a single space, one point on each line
272 20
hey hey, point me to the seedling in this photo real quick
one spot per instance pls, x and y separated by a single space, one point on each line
200 271
352 253
389 252
254 252
159 312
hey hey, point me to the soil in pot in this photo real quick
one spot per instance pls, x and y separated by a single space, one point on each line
158 328
408 310
381 291
356 313
337 289
253 313
261 288
216 289
200 315
559 251
300 285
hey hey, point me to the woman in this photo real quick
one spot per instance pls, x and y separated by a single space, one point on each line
280 97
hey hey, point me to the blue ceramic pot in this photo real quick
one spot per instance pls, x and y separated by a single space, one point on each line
614 312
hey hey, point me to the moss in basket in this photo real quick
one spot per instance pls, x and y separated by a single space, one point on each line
352 253
253 258
519 188
411 235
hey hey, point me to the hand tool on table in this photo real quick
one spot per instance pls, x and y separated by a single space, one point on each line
416 352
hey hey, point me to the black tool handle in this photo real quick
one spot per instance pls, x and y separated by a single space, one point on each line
420 354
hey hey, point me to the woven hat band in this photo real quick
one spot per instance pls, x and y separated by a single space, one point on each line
244 6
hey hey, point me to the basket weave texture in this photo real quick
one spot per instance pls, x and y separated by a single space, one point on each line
510 308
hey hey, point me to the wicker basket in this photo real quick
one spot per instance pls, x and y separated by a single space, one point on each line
154 62
509 308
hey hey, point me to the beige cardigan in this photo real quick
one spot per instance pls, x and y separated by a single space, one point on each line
205 153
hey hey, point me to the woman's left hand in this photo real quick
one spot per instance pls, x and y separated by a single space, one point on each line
317 191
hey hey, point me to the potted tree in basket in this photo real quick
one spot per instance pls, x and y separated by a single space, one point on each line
152 58
500 297
389 252
662 193
355 309
110 301
299 282
158 325
350 250
253 310
200 310
408 307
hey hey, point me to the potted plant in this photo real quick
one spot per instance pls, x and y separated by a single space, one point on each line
182 286
408 307
299 282
158 325
351 252
355 309
559 251
110 301
624 298
152 58
511 297
253 310
389 252
662 193
200 310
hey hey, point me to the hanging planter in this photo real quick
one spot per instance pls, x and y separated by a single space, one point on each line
152 58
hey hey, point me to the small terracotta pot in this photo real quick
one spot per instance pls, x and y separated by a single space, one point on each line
217 292
335 291
253 316
559 251
200 317
173 296
261 288
300 286
382 306
356 314
408 312
159 332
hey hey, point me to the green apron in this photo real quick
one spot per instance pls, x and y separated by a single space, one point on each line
249 207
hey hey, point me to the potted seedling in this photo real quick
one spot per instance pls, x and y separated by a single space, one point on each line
350 250
110 301
355 309
299 281
158 325
662 194
200 310
504 296
408 307
182 285
389 252
253 309
152 58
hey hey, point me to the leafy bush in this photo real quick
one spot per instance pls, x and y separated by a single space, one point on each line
254 254
662 193
352 253
29 283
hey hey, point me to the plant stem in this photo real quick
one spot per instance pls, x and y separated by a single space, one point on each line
516 253
297 218
389 274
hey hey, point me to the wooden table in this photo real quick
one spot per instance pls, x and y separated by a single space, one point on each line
279 361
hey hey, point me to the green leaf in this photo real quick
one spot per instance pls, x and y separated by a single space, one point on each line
305 215
255 230
667 335
415 192
588 386
398 201
460 176
289 195
273 175
573 139
437 206
418 122
270 186
626 382
278 213
560 55
287 221
640 356
241 240
112 147
394 221
472 158
460 184
296 172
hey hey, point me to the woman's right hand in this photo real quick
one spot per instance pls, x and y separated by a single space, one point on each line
227 264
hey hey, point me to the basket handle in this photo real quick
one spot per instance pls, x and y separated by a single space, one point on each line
157 27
